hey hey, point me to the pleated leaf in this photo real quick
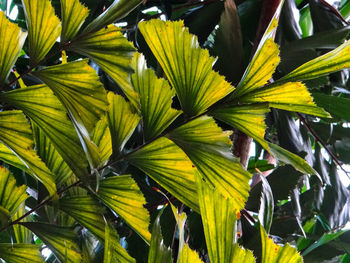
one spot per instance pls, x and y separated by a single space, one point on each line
124 197
62 241
7 156
73 15
12 39
22 234
117 10
272 253
187 66
291 96
219 216
332 61
250 119
241 255
208 147
16 134
109 49
101 136
122 121
44 28
20 253
188 255
155 98
46 111
169 166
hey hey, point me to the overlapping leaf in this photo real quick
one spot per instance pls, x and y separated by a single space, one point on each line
22 234
16 134
47 112
73 15
291 96
247 118
113 53
21 253
12 39
122 121
124 197
241 255
44 27
62 241
155 98
7 156
187 66
266 205
169 166
101 136
208 147
272 253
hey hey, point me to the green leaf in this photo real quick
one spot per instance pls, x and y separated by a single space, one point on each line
291 96
169 166
108 251
155 98
250 119
241 255
266 205
11 196
16 134
7 156
332 61
122 121
46 111
109 49
12 39
117 10
337 107
124 197
62 241
187 66
22 234
158 252
188 255
44 28
101 136
209 150
73 15
21 253
272 253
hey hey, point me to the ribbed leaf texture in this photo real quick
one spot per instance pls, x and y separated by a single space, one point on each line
21 253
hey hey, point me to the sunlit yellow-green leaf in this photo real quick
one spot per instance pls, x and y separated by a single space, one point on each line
22 234
46 111
21 253
73 15
187 66
272 253
241 255
332 61
7 156
124 197
188 255
44 28
122 121
291 96
117 10
62 241
16 134
208 147
250 119
155 98
169 166
12 39
101 136
113 53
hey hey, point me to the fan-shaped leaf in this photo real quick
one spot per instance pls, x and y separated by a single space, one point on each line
186 65
291 96
43 27
113 53
16 134
62 241
101 136
73 15
46 111
12 39
117 10
250 119
122 194
22 234
208 147
169 166
272 253
7 156
188 255
20 253
122 121
155 98
332 61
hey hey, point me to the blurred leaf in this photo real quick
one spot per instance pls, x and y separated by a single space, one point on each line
337 107
22 234
12 39
262 165
266 205
20 253
44 28
345 11
305 22
187 66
